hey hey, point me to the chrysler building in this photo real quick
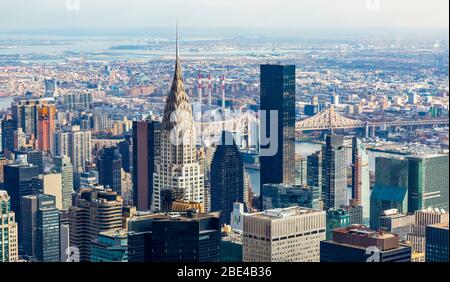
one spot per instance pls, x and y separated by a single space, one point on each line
177 169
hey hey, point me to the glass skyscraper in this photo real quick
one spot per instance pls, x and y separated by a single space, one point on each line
428 182
227 178
40 223
334 173
278 94
109 165
391 188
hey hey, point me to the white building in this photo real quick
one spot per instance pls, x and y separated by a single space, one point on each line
283 235
178 168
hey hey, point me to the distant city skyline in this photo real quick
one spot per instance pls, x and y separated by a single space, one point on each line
293 14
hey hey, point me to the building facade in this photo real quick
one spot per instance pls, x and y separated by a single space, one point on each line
227 178
95 210
9 250
277 88
146 139
283 235
178 169
334 173
109 166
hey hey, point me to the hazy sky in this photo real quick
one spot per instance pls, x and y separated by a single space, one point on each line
225 13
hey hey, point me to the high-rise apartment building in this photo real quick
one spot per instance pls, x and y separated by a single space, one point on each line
227 178
283 235
76 144
334 173
109 166
146 140
95 210
9 245
177 168
277 88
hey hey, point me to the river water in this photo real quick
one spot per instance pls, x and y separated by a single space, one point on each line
305 149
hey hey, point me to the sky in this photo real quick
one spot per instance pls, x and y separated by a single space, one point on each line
305 14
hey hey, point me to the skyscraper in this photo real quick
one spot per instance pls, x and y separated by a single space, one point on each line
437 242
9 249
178 168
8 134
64 167
360 178
46 127
25 116
314 170
109 165
156 237
95 210
75 143
125 150
19 183
40 228
428 182
146 137
334 176
278 94
283 235
391 188
227 178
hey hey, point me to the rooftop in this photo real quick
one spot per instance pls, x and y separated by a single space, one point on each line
274 214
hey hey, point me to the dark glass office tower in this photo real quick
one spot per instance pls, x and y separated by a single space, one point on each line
40 228
314 170
334 175
8 134
125 151
109 166
227 178
278 93
146 135
156 237
18 183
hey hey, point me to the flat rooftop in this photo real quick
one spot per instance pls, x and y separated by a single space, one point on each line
274 214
